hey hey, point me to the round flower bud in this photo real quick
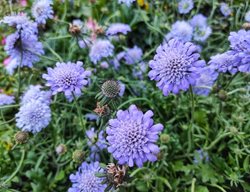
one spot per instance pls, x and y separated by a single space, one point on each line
78 156
165 138
233 130
21 137
110 88
61 149
222 95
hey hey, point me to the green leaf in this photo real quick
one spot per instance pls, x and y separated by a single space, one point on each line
60 176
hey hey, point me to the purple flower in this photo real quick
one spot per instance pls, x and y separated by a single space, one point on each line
225 9
12 65
225 62
122 89
23 25
247 16
200 156
181 30
42 10
68 77
198 20
23 50
175 66
100 49
35 93
33 116
127 2
139 70
204 83
104 65
132 137
118 28
185 6
6 99
85 180
91 117
240 45
96 142
116 60
133 55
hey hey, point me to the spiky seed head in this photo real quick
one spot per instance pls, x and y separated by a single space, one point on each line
110 88
116 174
78 156
102 110
21 137
61 149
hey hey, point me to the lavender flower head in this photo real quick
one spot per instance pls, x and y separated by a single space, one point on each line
35 92
24 50
185 6
206 80
22 23
100 49
85 180
181 30
42 10
68 77
175 66
96 142
132 137
198 20
247 16
133 55
139 70
6 99
225 9
118 28
225 62
240 45
33 116
127 2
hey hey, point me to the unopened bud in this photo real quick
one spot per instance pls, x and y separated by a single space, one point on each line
21 137
78 156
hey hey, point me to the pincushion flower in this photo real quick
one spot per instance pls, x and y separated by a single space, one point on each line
185 6
68 77
34 92
24 50
247 16
175 66
240 46
204 83
118 28
127 2
181 30
100 49
42 10
225 62
132 137
33 116
225 9
96 142
133 55
198 20
85 180
6 99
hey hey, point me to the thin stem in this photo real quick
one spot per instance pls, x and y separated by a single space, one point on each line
217 140
17 169
53 52
190 130
79 112
193 185
231 80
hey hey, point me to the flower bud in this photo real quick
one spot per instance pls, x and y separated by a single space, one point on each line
61 149
21 137
78 156
222 95
165 138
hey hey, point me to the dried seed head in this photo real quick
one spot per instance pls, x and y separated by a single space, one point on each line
74 29
78 156
61 149
246 26
110 88
21 137
102 110
116 174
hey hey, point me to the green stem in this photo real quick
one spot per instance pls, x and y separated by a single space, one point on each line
217 140
231 80
17 169
190 130
193 185
53 52
79 112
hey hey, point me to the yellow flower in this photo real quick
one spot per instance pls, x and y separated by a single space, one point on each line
140 3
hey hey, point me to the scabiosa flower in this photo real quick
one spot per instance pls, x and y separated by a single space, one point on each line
96 142
100 49
204 83
22 23
225 9
247 16
132 137
35 92
6 99
127 2
181 30
91 117
139 70
118 28
33 116
198 20
24 50
122 89
202 33
225 62
85 179
240 45
68 77
42 10
175 66
185 6
133 55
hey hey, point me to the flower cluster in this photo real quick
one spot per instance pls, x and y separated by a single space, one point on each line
132 136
